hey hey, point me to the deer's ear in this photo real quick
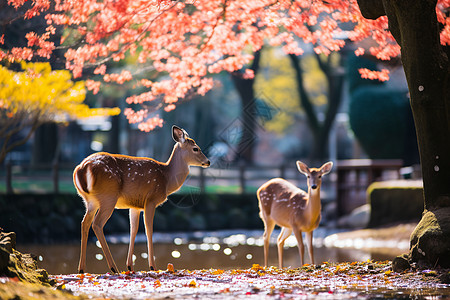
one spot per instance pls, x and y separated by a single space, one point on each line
302 167
179 135
326 168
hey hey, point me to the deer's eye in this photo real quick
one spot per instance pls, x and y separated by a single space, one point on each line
195 149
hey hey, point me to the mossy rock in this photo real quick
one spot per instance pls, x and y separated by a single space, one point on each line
430 241
395 201
15 264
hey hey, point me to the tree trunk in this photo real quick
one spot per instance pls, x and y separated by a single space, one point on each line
45 144
245 89
320 130
415 27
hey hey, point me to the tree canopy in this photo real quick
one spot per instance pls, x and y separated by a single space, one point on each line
191 40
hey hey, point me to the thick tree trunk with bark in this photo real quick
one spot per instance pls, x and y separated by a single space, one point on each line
415 27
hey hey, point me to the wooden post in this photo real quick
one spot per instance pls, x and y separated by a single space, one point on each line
55 177
9 188
242 177
283 170
202 181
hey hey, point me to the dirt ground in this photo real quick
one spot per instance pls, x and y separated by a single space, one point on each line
363 280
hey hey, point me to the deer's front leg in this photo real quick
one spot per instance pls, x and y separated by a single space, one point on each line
309 238
149 213
301 249
134 226
284 234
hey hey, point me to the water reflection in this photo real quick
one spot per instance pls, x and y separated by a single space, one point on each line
222 250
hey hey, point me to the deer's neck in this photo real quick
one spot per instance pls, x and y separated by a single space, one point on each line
314 205
177 170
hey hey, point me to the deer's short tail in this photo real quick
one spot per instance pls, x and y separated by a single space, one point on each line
81 178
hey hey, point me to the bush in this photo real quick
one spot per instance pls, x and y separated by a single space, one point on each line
379 119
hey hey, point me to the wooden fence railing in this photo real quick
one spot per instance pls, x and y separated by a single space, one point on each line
347 184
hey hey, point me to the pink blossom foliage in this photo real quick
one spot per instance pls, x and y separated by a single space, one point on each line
382 75
189 41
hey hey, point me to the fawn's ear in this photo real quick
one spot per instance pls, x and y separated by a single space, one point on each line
302 168
179 135
326 168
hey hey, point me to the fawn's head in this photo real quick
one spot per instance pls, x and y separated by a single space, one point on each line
314 175
190 150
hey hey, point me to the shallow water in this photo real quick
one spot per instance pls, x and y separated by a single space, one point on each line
201 250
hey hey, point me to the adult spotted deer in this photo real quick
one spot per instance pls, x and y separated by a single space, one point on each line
108 181
282 203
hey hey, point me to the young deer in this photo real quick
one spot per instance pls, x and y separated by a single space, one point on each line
282 203
107 181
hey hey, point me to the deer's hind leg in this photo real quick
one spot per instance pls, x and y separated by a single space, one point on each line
91 209
269 225
107 204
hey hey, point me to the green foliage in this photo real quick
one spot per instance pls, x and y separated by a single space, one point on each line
354 78
378 117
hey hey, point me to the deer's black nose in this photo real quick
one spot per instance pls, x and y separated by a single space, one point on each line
314 187
207 164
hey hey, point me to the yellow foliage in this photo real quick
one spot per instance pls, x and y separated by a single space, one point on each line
277 82
38 92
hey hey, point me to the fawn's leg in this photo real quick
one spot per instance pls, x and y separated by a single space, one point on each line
284 234
269 225
149 213
301 249
309 242
134 226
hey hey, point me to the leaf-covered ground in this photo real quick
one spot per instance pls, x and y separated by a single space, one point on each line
367 279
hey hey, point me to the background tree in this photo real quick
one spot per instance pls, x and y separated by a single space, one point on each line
332 68
302 87
245 87
35 96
